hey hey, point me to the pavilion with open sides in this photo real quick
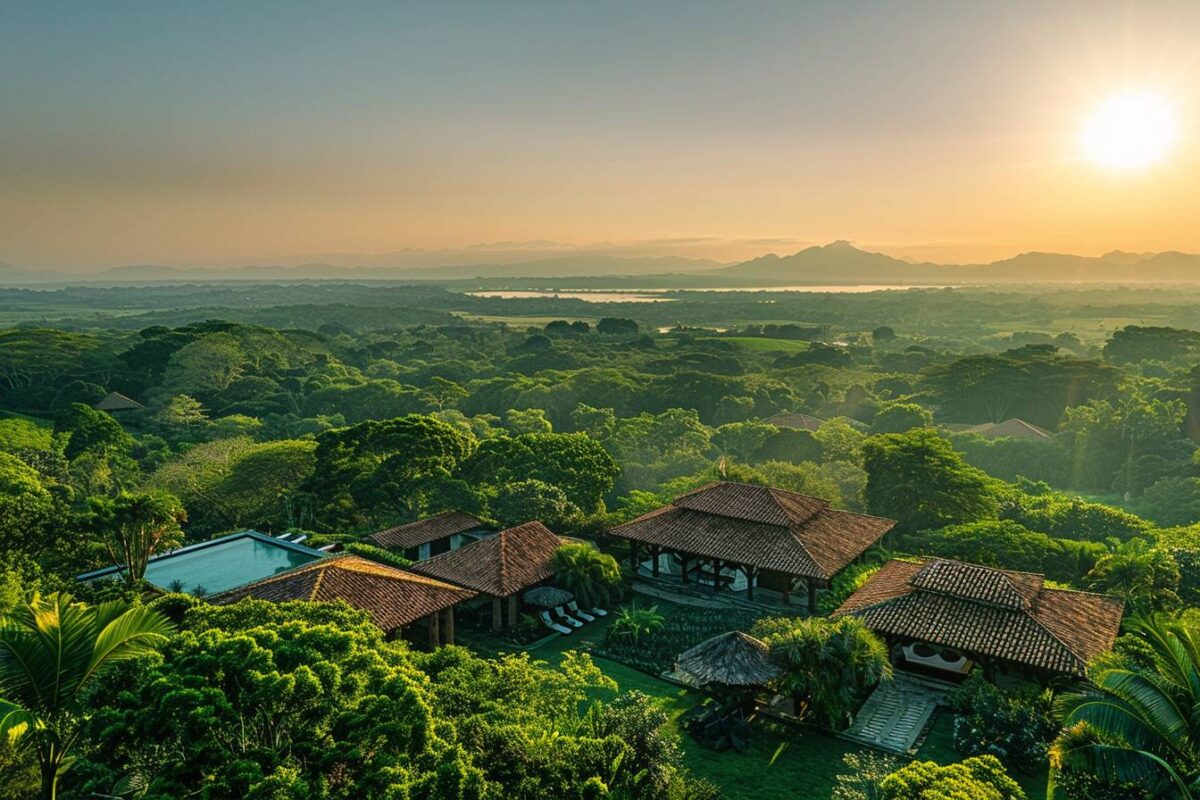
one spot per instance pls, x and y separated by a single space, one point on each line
741 537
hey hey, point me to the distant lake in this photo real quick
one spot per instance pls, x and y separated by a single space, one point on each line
656 295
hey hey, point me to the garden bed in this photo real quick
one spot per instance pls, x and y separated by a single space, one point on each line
683 627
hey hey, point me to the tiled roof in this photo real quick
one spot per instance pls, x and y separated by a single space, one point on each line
500 565
115 401
1016 428
426 530
989 612
393 597
761 527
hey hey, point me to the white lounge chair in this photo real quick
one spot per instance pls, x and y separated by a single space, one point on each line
567 618
573 607
554 626
599 612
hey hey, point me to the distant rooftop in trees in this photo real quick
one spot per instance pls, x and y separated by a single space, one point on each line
1013 427
801 422
1011 616
115 401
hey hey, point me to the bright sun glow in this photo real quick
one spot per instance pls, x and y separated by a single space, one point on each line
1129 131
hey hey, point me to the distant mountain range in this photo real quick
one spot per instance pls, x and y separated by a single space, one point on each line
835 263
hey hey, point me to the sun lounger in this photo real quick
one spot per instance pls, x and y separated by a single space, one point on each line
567 618
599 612
554 626
573 607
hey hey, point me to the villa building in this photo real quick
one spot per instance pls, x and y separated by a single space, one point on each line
739 537
394 598
499 567
948 616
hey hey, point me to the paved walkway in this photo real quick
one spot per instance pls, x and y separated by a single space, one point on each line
896 714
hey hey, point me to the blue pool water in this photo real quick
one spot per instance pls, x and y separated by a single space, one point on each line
225 565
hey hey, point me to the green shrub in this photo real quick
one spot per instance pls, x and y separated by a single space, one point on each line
378 554
1008 545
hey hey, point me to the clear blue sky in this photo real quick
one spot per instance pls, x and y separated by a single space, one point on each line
197 132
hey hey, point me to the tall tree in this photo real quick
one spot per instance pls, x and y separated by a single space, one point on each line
917 479
134 526
51 650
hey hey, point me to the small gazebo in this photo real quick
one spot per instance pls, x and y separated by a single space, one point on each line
732 659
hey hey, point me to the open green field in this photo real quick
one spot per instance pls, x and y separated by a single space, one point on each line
783 762
761 343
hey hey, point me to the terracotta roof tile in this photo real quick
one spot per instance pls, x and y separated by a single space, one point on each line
426 530
761 527
500 565
989 612
392 597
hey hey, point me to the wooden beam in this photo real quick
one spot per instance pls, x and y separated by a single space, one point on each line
433 630
812 595
751 574
683 565
716 574
633 557
449 637
497 614
655 553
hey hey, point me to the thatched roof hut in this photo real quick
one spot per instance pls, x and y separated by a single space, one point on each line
730 659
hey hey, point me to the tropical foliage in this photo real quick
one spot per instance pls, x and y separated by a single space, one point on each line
53 650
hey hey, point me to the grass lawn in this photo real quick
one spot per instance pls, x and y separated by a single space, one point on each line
783 762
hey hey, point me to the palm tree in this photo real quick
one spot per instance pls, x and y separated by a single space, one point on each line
51 648
1141 725
631 624
593 577
828 664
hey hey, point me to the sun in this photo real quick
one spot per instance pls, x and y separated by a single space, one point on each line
1129 131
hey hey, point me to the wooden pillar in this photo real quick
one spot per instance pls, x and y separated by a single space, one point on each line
716 574
655 554
497 618
812 595
433 630
512 609
683 576
633 557
751 573
449 637
787 589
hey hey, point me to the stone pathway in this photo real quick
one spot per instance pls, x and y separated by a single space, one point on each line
896 714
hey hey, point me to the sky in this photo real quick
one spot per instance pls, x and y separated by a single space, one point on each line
257 132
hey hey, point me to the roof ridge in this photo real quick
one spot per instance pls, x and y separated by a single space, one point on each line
317 584
502 557
1033 617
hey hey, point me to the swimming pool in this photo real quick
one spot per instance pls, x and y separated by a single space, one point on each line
221 564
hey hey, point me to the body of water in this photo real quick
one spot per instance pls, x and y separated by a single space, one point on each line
658 295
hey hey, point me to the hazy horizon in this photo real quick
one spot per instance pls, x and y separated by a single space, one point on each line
223 134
